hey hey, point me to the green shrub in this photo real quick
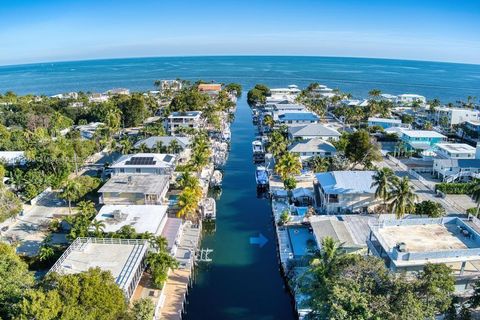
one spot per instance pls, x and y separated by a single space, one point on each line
455 188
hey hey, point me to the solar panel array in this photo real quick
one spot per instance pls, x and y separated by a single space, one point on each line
168 158
145 161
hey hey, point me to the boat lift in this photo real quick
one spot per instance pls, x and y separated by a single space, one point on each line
203 255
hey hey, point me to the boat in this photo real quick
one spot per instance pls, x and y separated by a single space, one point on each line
261 176
216 179
209 209
226 135
258 151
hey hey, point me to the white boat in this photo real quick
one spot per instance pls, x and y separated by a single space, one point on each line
209 209
216 179
258 151
261 176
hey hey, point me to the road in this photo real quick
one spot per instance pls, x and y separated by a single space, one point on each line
423 190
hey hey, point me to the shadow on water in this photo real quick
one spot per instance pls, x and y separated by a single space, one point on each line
244 280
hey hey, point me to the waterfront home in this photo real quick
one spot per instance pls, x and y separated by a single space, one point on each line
386 123
307 149
144 218
178 120
136 189
87 131
292 107
448 117
345 191
209 87
65 96
118 91
296 118
123 258
312 130
172 85
165 143
409 98
455 151
389 97
13 158
421 139
349 230
302 196
98 98
408 245
469 130
449 170
290 90
144 163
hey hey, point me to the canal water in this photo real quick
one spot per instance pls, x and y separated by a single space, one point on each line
243 281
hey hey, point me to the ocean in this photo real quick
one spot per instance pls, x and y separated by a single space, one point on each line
448 82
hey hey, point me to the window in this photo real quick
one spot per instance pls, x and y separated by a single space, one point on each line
122 170
138 170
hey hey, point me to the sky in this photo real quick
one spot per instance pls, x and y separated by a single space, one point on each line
56 30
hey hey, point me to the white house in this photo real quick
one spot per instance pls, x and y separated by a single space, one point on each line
166 142
307 149
11 158
295 117
312 130
408 98
455 151
345 191
386 123
421 139
177 120
145 163
452 116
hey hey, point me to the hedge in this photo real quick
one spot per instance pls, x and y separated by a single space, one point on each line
455 188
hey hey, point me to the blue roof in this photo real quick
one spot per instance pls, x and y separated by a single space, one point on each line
291 116
342 182
460 163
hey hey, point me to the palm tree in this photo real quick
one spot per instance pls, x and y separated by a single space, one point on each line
187 180
87 208
268 121
476 195
374 93
383 180
159 243
174 147
99 227
402 197
188 203
289 164
125 146
71 192
319 164
158 147
143 148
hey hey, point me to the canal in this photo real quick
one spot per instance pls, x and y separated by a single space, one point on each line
243 281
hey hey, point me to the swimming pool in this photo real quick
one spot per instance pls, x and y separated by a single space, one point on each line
300 238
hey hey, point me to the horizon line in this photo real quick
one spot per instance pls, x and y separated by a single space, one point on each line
228 55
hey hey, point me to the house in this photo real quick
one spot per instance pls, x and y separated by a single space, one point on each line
350 230
98 98
297 118
144 218
209 87
307 149
138 189
421 139
448 117
389 97
409 98
345 191
87 131
144 163
455 151
292 107
386 123
124 258
449 170
178 120
172 85
290 90
408 245
313 130
166 143
12 158
118 91
469 130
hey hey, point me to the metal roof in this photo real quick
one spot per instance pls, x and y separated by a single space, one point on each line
346 182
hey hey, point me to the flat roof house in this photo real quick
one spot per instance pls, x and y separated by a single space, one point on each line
455 151
408 98
124 258
144 218
386 123
297 118
451 116
178 120
183 143
136 189
449 170
407 245
345 191
145 163
307 149
312 130
421 139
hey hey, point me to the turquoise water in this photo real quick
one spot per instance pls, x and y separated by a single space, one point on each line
446 81
301 211
243 281
299 238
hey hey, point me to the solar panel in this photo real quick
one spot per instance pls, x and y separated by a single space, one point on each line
144 161
168 158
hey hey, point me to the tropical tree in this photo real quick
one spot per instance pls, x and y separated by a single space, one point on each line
143 148
476 195
268 121
158 264
71 192
188 203
99 227
125 146
374 93
319 164
383 180
402 197
45 253
288 165
174 147
290 183
429 208
86 208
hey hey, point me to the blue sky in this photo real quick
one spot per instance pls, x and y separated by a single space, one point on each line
55 30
